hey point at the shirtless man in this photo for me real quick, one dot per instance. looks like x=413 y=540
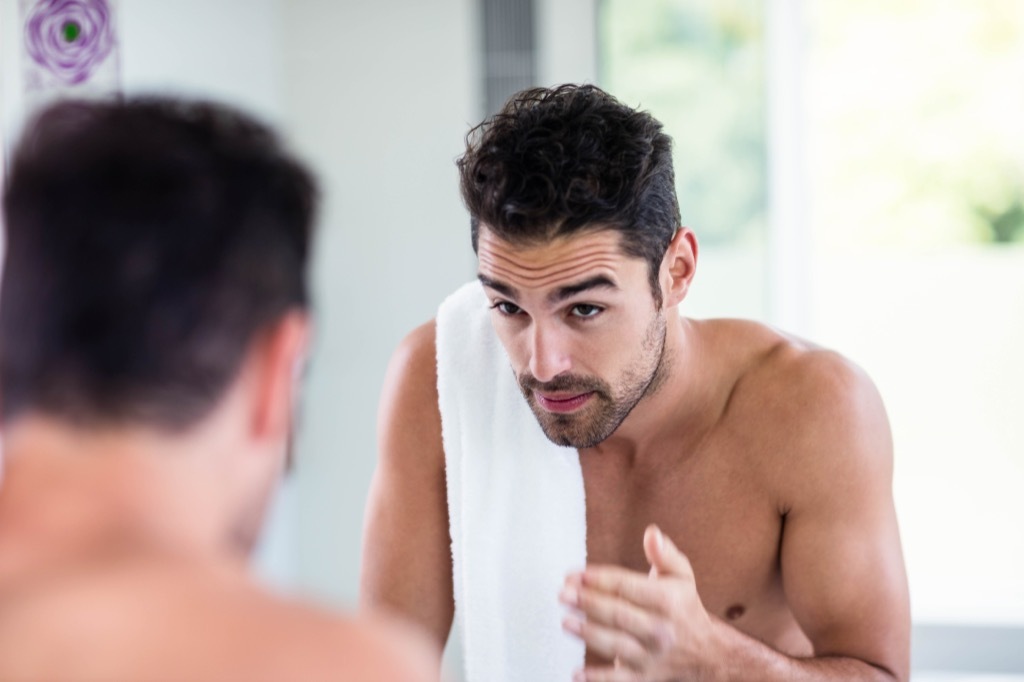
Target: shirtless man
x=153 y=320
x=739 y=514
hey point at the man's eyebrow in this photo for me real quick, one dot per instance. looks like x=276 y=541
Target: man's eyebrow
x=596 y=282
x=500 y=287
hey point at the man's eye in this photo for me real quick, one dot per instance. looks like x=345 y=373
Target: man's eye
x=586 y=310
x=506 y=308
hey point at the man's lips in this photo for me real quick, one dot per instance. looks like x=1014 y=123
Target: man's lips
x=562 y=403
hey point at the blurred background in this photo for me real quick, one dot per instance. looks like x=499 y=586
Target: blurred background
x=854 y=170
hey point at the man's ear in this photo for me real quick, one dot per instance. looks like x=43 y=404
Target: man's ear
x=280 y=355
x=678 y=267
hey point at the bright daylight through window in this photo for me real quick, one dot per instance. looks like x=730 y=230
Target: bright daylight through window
x=914 y=197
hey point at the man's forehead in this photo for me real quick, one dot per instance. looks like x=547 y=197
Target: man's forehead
x=551 y=262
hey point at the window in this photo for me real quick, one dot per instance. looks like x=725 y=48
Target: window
x=698 y=66
x=911 y=200
x=916 y=148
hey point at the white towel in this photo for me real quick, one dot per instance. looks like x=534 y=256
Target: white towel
x=515 y=504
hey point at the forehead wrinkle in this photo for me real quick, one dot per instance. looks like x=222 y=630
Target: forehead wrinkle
x=563 y=267
x=562 y=262
x=560 y=280
x=593 y=265
x=598 y=251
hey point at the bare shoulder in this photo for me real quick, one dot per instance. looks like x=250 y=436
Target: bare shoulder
x=417 y=353
x=813 y=413
x=409 y=396
x=147 y=619
x=812 y=381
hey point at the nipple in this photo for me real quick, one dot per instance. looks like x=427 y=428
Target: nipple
x=735 y=612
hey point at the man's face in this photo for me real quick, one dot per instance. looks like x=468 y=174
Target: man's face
x=578 y=320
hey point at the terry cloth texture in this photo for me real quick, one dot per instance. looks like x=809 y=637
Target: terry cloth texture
x=516 y=507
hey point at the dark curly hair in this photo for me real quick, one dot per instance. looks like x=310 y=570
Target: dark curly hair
x=557 y=161
x=149 y=241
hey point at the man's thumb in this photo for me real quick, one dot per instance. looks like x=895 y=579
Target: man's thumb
x=664 y=557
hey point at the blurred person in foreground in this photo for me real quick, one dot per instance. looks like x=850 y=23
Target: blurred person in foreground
x=732 y=500
x=154 y=317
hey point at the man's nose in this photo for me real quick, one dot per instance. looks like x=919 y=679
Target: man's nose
x=549 y=352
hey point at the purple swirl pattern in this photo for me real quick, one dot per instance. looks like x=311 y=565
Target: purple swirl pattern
x=69 y=38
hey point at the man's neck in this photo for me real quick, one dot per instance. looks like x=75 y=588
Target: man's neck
x=69 y=491
x=684 y=406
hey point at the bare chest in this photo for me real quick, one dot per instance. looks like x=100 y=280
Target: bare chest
x=717 y=513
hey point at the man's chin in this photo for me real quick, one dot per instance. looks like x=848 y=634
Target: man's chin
x=567 y=435
x=561 y=440
x=574 y=441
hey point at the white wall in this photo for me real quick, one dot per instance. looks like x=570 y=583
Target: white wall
x=224 y=49
x=379 y=97
x=566 y=33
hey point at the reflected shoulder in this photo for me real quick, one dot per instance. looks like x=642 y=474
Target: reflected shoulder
x=823 y=382
x=801 y=407
x=827 y=419
x=419 y=346
x=776 y=366
x=416 y=355
x=408 y=413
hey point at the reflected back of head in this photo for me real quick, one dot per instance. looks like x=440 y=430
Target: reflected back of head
x=148 y=242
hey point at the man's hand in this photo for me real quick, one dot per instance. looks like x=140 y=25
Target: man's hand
x=653 y=626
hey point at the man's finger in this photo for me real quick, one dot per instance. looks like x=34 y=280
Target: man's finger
x=607 y=674
x=650 y=629
x=609 y=643
x=629 y=585
x=664 y=557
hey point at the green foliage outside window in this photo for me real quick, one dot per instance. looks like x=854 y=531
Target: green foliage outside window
x=697 y=66
x=914 y=110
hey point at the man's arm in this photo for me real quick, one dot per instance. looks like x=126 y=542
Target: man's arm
x=841 y=562
x=406 y=546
